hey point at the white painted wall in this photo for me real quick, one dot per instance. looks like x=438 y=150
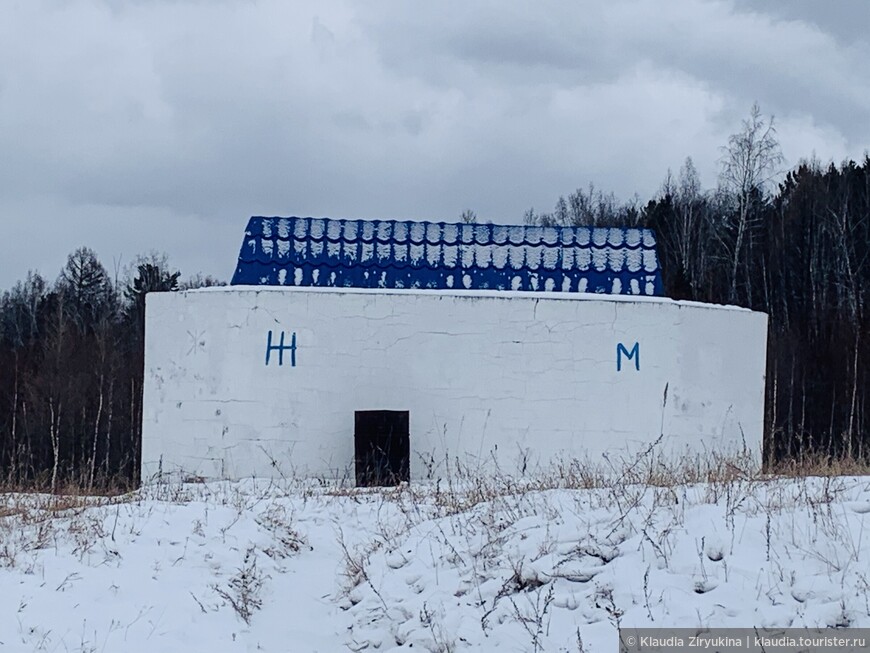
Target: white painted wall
x=480 y=372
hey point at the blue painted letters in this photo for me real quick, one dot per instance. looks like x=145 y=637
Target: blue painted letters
x=281 y=348
x=633 y=354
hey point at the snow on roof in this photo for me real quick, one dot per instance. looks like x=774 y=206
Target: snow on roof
x=437 y=255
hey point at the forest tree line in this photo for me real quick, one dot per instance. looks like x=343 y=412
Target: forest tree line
x=72 y=349
x=71 y=372
x=798 y=250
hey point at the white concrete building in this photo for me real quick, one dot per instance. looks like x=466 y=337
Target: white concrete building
x=273 y=379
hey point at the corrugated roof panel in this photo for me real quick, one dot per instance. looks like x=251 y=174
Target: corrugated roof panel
x=404 y=254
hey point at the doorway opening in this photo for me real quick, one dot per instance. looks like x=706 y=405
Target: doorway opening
x=382 y=447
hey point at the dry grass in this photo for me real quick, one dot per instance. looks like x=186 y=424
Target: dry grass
x=625 y=483
x=467 y=513
x=820 y=466
x=625 y=480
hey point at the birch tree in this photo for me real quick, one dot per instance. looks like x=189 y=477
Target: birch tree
x=750 y=162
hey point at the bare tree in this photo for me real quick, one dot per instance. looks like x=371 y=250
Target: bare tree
x=587 y=208
x=750 y=162
x=688 y=232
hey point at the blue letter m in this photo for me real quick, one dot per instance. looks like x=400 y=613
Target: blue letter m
x=633 y=354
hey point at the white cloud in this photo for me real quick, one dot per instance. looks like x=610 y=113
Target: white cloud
x=165 y=124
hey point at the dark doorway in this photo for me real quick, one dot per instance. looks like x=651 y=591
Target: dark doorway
x=382 y=447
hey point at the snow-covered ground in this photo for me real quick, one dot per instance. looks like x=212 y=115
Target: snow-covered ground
x=482 y=564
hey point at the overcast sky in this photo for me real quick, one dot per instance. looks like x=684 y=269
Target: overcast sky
x=139 y=125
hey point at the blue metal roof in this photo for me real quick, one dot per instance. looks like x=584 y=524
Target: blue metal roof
x=401 y=254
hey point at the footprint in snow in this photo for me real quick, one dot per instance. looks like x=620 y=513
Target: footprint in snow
x=576 y=575
x=702 y=586
x=714 y=554
x=396 y=560
x=567 y=601
x=800 y=596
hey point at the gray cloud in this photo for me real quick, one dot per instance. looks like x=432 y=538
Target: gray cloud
x=131 y=126
x=845 y=20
